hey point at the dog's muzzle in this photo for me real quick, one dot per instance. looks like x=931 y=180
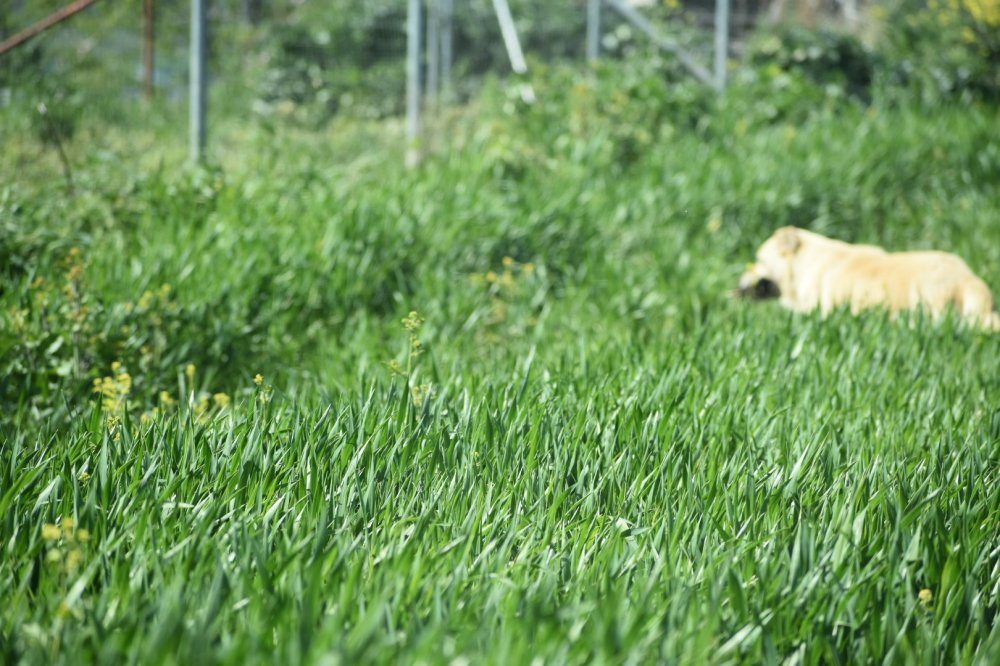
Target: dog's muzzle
x=756 y=287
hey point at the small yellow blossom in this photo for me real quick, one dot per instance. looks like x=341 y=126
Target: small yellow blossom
x=925 y=596
x=202 y=406
x=412 y=321
x=491 y=276
x=221 y=400
x=50 y=532
x=73 y=559
x=83 y=536
x=189 y=371
x=65 y=610
x=508 y=262
x=258 y=379
x=528 y=268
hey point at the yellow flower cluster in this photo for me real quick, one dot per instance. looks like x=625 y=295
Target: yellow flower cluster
x=506 y=278
x=412 y=323
x=114 y=389
x=263 y=390
x=67 y=543
x=419 y=393
x=505 y=289
x=206 y=403
x=984 y=12
x=74 y=274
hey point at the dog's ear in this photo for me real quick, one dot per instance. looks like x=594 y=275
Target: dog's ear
x=788 y=240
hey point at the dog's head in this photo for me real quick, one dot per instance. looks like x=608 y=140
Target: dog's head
x=771 y=274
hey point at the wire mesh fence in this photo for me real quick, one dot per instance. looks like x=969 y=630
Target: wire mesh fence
x=308 y=62
x=303 y=63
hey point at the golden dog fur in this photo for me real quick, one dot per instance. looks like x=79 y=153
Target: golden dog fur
x=807 y=271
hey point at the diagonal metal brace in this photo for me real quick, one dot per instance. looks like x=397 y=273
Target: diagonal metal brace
x=58 y=17
x=665 y=43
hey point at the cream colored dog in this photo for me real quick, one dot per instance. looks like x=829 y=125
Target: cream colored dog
x=805 y=271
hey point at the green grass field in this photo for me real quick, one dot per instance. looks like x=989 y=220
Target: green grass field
x=584 y=452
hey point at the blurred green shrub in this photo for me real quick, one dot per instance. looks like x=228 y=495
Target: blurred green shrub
x=824 y=57
x=944 y=49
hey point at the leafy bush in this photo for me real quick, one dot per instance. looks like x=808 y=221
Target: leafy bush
x=823 y=57
x=945 y=49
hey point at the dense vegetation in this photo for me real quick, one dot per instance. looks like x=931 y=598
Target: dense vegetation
x=302 y=405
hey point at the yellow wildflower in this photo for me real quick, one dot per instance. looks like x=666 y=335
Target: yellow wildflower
x=508 y=262
x=258 y=379
x=189 y=370
x=412 y=321
x=73 y=559
x=925 y=596
x=221 y=400
x=50 y=532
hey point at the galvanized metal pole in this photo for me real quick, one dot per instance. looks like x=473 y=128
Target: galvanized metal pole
x=413 y=84
x=433 y=49
x=447 y=44
x=149 y=31
x=509 y=33
x=721 y=43
x=593 y=29
x=198 y=89
x=510 y=39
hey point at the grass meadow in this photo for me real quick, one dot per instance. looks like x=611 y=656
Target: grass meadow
x=226 y=440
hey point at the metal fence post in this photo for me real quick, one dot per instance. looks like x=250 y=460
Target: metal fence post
x=721 y=43
x=594 y=29
x=513 y=43
x=148 y=71
x=447 y=38
x=198 y=89
x=433 y=50
x=413 y=83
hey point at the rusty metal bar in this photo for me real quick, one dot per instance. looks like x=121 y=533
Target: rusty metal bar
x=58 y=17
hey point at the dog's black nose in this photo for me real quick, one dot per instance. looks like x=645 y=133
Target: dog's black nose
x=761 y=290
x=765 y=289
